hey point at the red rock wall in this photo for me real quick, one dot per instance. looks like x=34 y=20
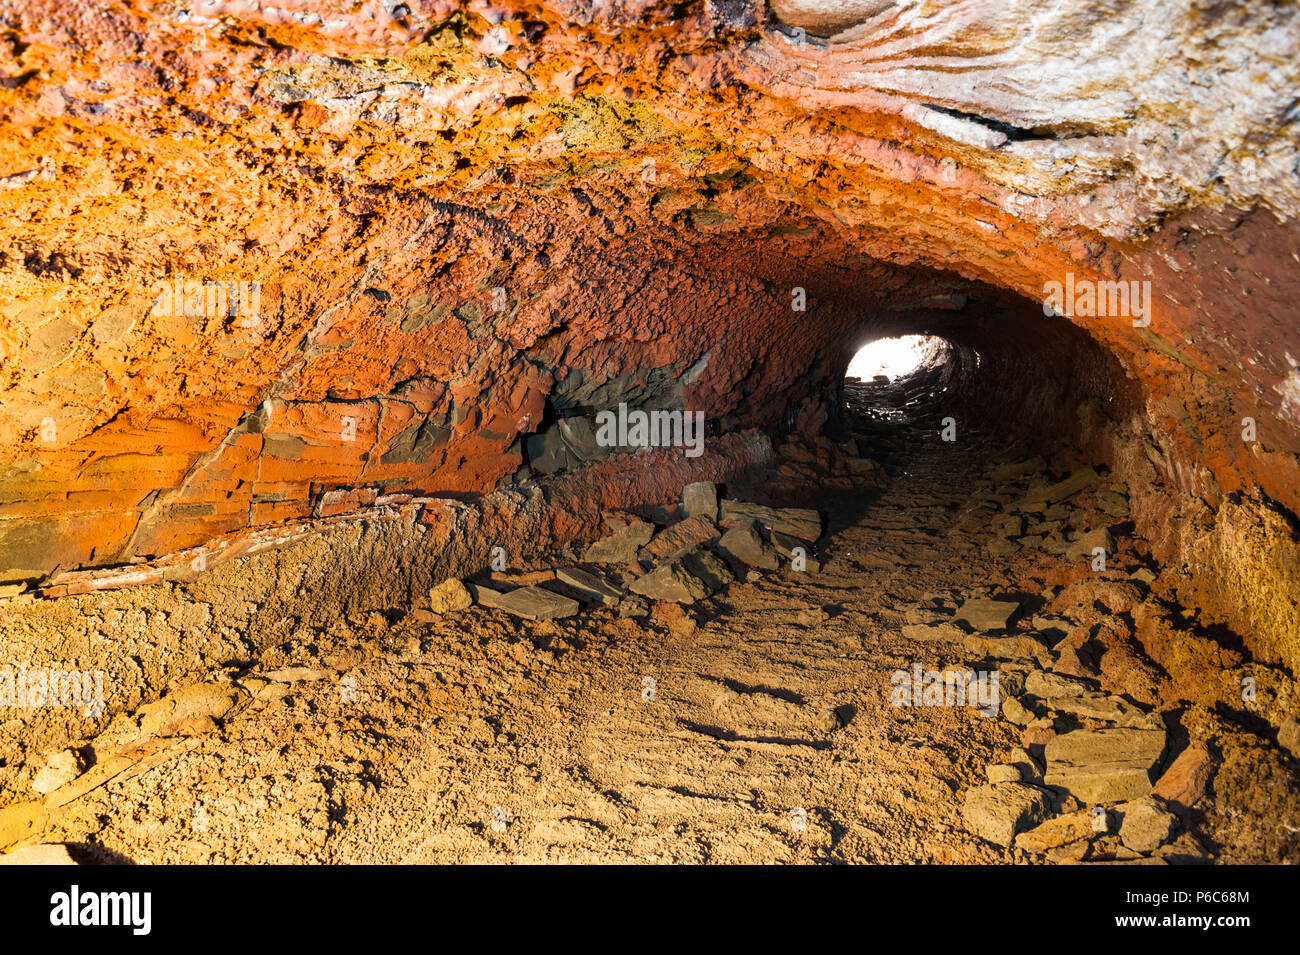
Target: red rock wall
x=646 y=185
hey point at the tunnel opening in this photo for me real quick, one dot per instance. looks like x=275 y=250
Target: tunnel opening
x=988 y=376
x=899 y=381
x=887 y=359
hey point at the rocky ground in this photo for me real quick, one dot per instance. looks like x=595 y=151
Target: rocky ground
x=680 y=692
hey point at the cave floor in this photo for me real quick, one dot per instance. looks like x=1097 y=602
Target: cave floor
x=754 y=726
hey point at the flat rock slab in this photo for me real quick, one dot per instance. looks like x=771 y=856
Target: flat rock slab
x=1058 y=831
x=700 y=500
x=1005 y=647
x=1104 y=765
x=685 y=580
x=998 y=811
x=671 y=582
x=534 y=603
x=1017 y=469
x=1110 y=709
x=983 y=614
x=620 y=546
x=745 y=543
x=590 y=585
x=1052 y=686
x=797 y=522
x=672 y=542
x=485 y=596
x=1076 y=482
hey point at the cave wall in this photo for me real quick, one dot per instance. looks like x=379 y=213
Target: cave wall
x=382 y=377
x=458 y=215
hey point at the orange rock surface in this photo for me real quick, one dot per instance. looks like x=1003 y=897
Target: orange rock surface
x=262 y=263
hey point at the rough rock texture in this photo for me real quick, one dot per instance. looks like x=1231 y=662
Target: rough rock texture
x=449 y=596
x=330 y=296
x=1147 y=825
x=300 y=705
x=1103 y=765
x=447 y=209
x=998 y=811
x=166 y=630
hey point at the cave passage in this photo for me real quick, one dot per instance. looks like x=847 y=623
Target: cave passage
x=720 y=432
x=926 y=553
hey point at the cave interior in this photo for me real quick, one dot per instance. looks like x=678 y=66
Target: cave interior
x=724 y=431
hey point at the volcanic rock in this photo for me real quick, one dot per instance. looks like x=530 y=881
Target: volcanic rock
x=485 y=596
x=589 y=585
x=449 y=596
x=1058 y=831
x=1047 y=685
x=1103 y=765
x=536 y=603
x=1087 y=543
x=983 y=614
x=998 y=811
x=621 y=545
x=1061 y=490
x=744 y=543
x=685 y=580
x=684 y=536
x=794 y=549
x=1016 y=712
x=700 y=499
x=1187 y=778
x=1146 y=825
x=792 y=521
x=1002 y=773
x=1005 y=646
x=633 y=606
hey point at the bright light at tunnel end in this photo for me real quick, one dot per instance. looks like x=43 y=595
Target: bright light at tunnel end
x=896 y=357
